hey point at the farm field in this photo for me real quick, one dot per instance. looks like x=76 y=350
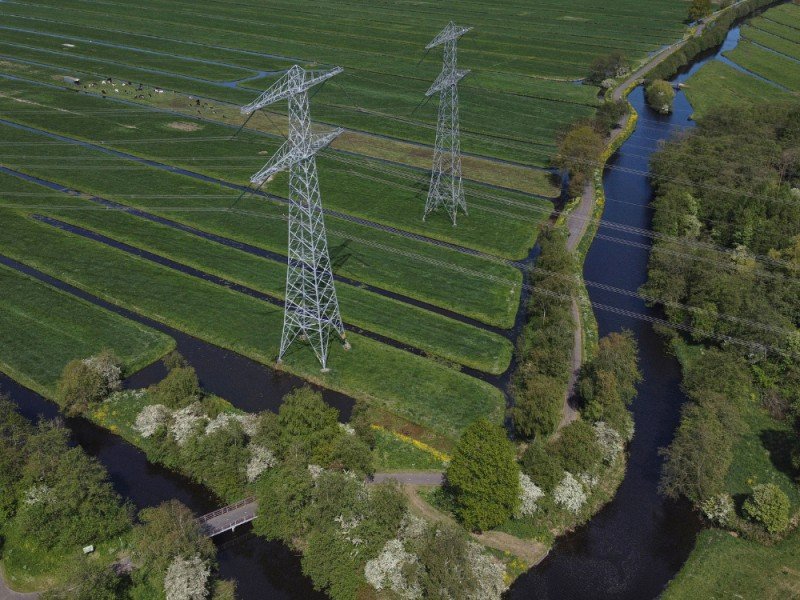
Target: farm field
x=768 y=55
x=523 y=61
x=718 y=83
x=150 y=131
x=42 y=328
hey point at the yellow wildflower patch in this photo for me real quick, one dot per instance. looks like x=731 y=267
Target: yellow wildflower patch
x=416 y=443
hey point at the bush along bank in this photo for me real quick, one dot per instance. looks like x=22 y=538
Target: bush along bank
x=56 y=500
x=309 y=474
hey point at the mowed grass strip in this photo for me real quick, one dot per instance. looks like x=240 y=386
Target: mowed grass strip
x=42 y=329
x=405 y=323
x=774 y=67
x=716 y=83
x=469 y=285
x=779 y=44
x=504 y=223
x=437 y=397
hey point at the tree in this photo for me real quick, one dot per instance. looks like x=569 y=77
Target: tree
x=699 y=9
x=578 y=154
x=79 y=387
x=578 y=448
x=538 y=405
x=483 y=476
x=68 y=498
x=769 y=505
x=697 y=461
x=660 y=95
x=543 y=465
x=611 y=65
x=283 y=494
x=178 y=389
x=166 y=531
x=452 y=566
x=187 y=579
x=307 y=426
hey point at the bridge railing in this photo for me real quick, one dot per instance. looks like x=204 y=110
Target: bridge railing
x=225 y=509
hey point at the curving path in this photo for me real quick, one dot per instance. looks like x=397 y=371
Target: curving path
x=6 y=593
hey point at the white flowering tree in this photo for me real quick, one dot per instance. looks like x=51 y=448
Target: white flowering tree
x=187 y=579
x=388 y=571
x=569 y=493
x=529 y=494
x=261 y=459
x=186 y=421
x=718 y=509
x=150 y=418
x=488 y=573
x=107 y=366
x=609 y=440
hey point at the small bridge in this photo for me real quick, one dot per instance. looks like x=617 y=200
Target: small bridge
x=229 y=517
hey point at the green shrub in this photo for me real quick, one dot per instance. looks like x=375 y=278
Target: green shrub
x=79 y=387
x=697 y=461
x=542 y=465
x=307 y=426
x=483 y=476
x=578 y=448
x=178 y=389
x=660 y=96
x=538 y=405
x=769 y=505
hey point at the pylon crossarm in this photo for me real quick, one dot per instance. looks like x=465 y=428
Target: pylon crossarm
x=446 y=79
x=287 y=155
x=450 y=32
x=295 y=81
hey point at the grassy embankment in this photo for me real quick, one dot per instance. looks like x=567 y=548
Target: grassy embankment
x=722 y=564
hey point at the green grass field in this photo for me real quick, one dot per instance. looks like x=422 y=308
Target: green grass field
x=42 y=329
x=435 y=396
x=718 y=84
x=770 y=65
x=522 y=59
x=197 y=63
x=769 y=48
x=722 y=566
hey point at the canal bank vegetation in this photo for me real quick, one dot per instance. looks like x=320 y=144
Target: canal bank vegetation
x=725 y=270
x=55 y=501
x=308 y=472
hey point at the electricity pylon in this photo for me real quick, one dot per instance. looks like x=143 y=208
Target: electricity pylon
x=446 y=188
x=311 y=310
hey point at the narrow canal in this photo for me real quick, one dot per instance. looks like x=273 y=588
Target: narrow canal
x=639 y=541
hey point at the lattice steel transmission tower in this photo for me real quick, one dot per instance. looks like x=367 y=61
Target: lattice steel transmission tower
x=446 y=188
x=311 y=310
